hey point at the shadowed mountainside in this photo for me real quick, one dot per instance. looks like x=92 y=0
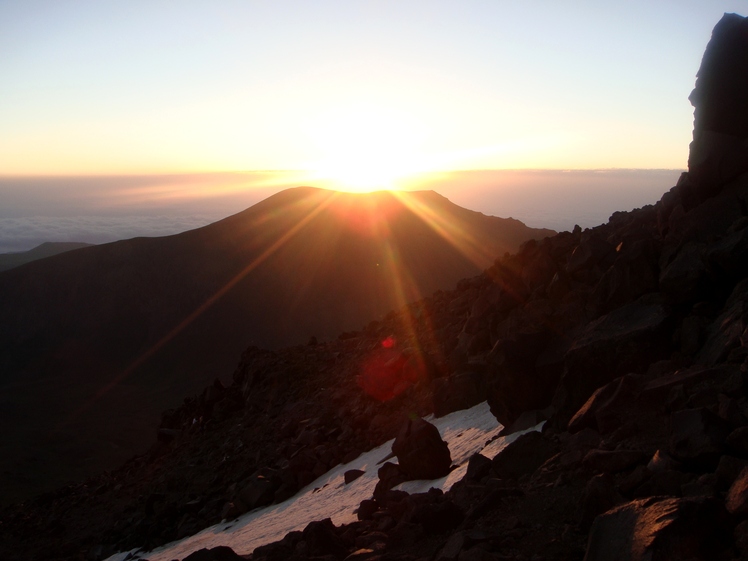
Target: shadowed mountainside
x=95 y=343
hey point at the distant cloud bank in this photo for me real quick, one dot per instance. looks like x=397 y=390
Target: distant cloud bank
x=20 y=234
x=105 y=209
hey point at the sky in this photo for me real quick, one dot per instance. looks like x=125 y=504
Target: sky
x=193 y=110
x=160 y=86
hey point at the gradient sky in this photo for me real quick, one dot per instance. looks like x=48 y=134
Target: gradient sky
x=348 y=87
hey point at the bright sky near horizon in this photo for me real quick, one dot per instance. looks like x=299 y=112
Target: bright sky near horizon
x=348 y=87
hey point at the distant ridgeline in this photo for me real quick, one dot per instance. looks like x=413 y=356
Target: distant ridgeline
x=47 y=249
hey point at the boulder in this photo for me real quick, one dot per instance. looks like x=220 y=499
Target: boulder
x=705 y=223
x=527 y=420
x=259 y=491
x=321 y=539
x=351 y=475
x=726 y=332
x=667 y=483
x=478 y=467
x=625 y=340
x=612 y=461
x=661 y=462
x=717 y=152
x=459 y=391
x=606 y=408
x=728 y=470
x=523 y=456
x=698 y=437
x=389 y=475
x=366 y=509
x=434 y=512
x=592 y=256
x=657 y=391
x=280 y=550
x=737 y=497
x=523 y=372
x=658 y=529
x=729 y=256
x=740 y=535
x=599 y=496
x=220 y=553
x=737 y=440
x=420 y=451
x=684 y=279
x=451 y=550
x=633 y=274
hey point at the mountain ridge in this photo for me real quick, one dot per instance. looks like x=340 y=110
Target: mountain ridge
x=86 y=335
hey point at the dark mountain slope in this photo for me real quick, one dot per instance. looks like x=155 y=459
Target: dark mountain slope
x=95 y=343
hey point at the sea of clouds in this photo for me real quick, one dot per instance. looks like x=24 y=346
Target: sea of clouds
x=105 y=209
x=21 y=234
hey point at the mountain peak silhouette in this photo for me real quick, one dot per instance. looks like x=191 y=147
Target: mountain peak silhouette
x=95 y=343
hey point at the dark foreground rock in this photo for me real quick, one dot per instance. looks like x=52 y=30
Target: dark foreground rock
x=660 y=529
x=420 y=450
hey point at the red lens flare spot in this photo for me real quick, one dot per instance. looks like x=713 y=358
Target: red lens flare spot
x=389 y=372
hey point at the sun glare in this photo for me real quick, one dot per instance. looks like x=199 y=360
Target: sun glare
x=365 y=148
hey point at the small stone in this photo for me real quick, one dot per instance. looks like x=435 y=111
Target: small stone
x=737 y=497
x=352 y=474
x=366 y=509
x=478 y=467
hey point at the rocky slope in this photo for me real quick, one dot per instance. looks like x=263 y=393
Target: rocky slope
x=630 y=339
x=95 y=343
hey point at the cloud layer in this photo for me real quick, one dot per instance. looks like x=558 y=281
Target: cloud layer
x=20 y=234
x=104 y=209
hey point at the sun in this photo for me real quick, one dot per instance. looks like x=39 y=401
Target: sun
x=365 y=148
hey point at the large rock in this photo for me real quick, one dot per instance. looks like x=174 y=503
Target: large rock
x=719 y=151
x=633 y=274
x=322 y=539
x=625 y=340
x=433 y=511
x=220 y=553
x=524 y=370
x=657 y=529
x=459 y=391
x=523 y=456
x=727 y=331
x=590 y=258
x=612 y=461
x=259 y=491
x=729 y=256
x=608 y=407
x=420 y=450
x=737 y=497
x=683 y=279
x=698 y=437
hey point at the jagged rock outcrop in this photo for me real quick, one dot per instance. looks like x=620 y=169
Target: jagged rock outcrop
x=719 y=151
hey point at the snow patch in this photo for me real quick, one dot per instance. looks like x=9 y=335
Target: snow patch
x=466 y=432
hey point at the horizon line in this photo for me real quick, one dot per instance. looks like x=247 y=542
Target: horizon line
x=279 y=171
